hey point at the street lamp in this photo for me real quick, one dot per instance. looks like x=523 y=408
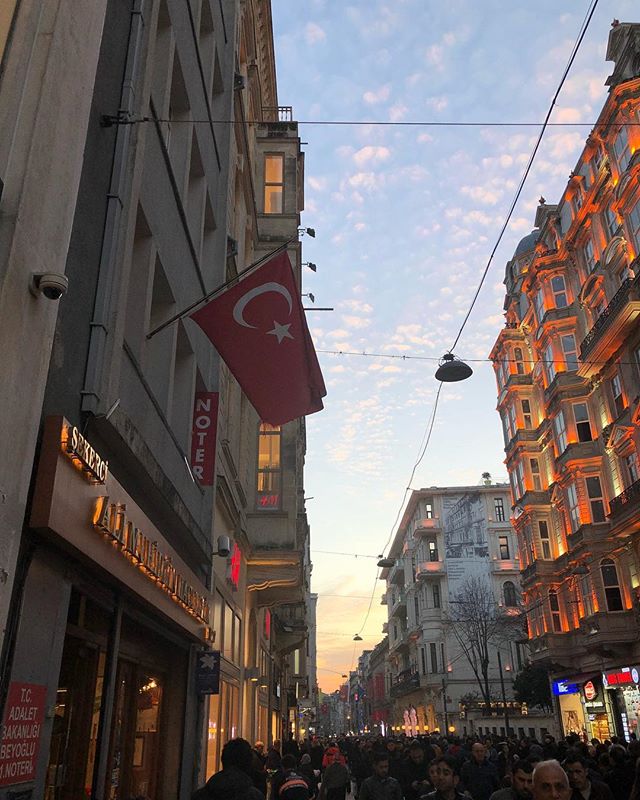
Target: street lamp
x=451 y=369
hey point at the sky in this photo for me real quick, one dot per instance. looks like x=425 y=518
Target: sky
x=405 y=219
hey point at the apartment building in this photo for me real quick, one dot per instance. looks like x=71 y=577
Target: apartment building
x=567 y=365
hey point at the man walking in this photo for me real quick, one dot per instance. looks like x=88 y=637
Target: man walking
x=479 y=776
x=380 y=785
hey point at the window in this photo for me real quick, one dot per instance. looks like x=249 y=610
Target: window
x=554 y=605
x=559 y=290
x=535 y=474
x=549 y=363
x=269 y=467
x=586 y=594
x=583 y=426
x=578 y=199
x=433 y=652
x=273 y=183
x=617 y=395
x=498 y=506
x=428 y=510
x=510 y=597
x=636 y=355
x=543 y=530
x=570 y=351
x=436 y=595
x=633 y=219
x=423 y=660
x=517 y=356
x=503 y=547
x=594 y=491
x=560 y=430
x=433 y=550
x=611 y=222
x=526 y=414
x=538 y=303
x=589 y=256
x=611 y=585
x=573 y=506
x=416 y=608
x=633 y=471
x=621 y=149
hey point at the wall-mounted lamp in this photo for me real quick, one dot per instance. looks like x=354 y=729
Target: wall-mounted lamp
x=224 y=547
x=263 y=682
x=310 y=296
x=252 y=674
x=311 y=265
x=309 y=231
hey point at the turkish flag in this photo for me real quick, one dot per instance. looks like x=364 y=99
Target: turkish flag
x=259 y=328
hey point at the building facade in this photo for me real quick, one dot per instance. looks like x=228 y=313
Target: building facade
x=454 y=548
x=567 y=365
x=144 y=451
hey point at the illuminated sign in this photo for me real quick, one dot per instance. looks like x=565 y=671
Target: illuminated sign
x=234 y=562
x=589 y=690
x=111 y=520
x=80 y=451
x=203 y=437
x=564 y=687
x=269 y=500
x=625 y=676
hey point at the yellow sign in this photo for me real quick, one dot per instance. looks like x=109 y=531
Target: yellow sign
x=80 y=451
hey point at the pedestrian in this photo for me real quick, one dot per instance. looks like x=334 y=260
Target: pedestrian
x=582 y=785
x=550 y=782
x=233 y=781
x=415 y=773
x=294 y=786
x=478 y=775
x=447 y=780
x=380 y=785
x=335 y=779
x=309 y=773
x=521 y=783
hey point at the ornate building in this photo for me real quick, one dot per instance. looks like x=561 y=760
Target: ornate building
x=567 y=364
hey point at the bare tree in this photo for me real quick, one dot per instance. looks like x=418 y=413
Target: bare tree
x=479 y=627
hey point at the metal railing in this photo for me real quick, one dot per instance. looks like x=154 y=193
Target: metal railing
x=630 y=495
x=608 y=315
x=277 y=113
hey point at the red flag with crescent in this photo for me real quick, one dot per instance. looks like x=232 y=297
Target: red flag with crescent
x=260 y=330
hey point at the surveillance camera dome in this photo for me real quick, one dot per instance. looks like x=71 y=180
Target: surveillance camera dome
x=52 y=285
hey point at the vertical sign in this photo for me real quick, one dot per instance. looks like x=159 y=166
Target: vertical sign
x=203 y=437
x=208 y=672
x=21 y=730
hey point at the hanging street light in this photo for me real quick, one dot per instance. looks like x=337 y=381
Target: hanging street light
x=451 y=369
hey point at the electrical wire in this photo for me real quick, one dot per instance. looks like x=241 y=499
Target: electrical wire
x=341 y=553
x=545 y=125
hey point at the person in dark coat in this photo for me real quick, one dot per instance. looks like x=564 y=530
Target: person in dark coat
x=580 y=780
x=415 y=773
x=479 y=776
x=234 y=779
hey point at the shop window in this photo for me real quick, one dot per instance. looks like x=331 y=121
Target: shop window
x=503 y=548
x=545 y=543
x=596 y=501
x=498 y=507
x=510 y=595
x=583 y=425
x=526 y=414
x=274 y=183
x=573 y=507
x=518 y=358
x=611 y=585
x=559 y=291
x=617 y=395
x=569 y=351
x=535 y=474
x=560 y=430
x=269 y=467
x=549 y=363
x=554 y=606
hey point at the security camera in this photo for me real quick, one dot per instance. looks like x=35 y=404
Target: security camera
x=51 y=284
x=224 y=546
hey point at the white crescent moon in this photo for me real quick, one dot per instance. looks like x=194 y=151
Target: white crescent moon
x=238 y=309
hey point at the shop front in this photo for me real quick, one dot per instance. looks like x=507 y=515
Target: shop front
x=583 y=706
x=622 y=686
x=111 y=622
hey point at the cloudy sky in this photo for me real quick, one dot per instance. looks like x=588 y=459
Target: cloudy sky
x=406 y=218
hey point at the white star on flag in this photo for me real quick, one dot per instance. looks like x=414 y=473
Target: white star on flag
x=281 y=331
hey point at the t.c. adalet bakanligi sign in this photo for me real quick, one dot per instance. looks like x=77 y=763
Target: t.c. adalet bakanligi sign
x=110 y=519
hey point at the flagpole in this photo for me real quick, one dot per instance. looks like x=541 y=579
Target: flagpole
x=221 y=288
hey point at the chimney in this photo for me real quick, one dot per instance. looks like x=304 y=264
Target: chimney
x=623 y=49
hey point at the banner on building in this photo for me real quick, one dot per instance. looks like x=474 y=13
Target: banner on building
x=21 y=731
x=203 y=437
x=208 y=672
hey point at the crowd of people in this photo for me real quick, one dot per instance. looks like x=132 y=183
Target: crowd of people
x=428 y=768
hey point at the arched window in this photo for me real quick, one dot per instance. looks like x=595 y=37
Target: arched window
x=554 y=605
x=510 y=596
x=611 y=585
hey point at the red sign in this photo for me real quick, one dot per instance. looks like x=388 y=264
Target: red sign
x=23 y=718
x=234 y=562
x=203 y=437
x=618 y=678
x=589 y=690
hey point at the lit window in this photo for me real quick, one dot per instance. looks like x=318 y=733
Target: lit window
x=428 y=510
x=498 y=505
x=503 y=546
x=611 y=221
x=554 y=605
x=589 y=256
x=543 y=529
x=535 y=474
x=433 y=550
x=583 y=425
x=549 y=363
x=269 y=466
x=561 y=432
x=621 y=149
x=596 y=501
x=273 y=183
x=559 y=290
x=633 y=471
x=573 y=506
x=619 y=404
x=510 y=595
x=526 y=414
x=517 y=355
x=570 y=351
x=634 y=224
x=611 y=585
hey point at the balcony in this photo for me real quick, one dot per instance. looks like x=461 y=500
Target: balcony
x=577 y=451
x=427 y=526
x=505 y=565
x=543 y=570
x=626 y=503
x=612 y=628
x=612 y=326
x=564 y=381
x=534 y=498
x=523 y=435
x=405 y=685
x=519 y=380
x=430 y=569
x=398 y=604
x=396 y=572
x=588 y=534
